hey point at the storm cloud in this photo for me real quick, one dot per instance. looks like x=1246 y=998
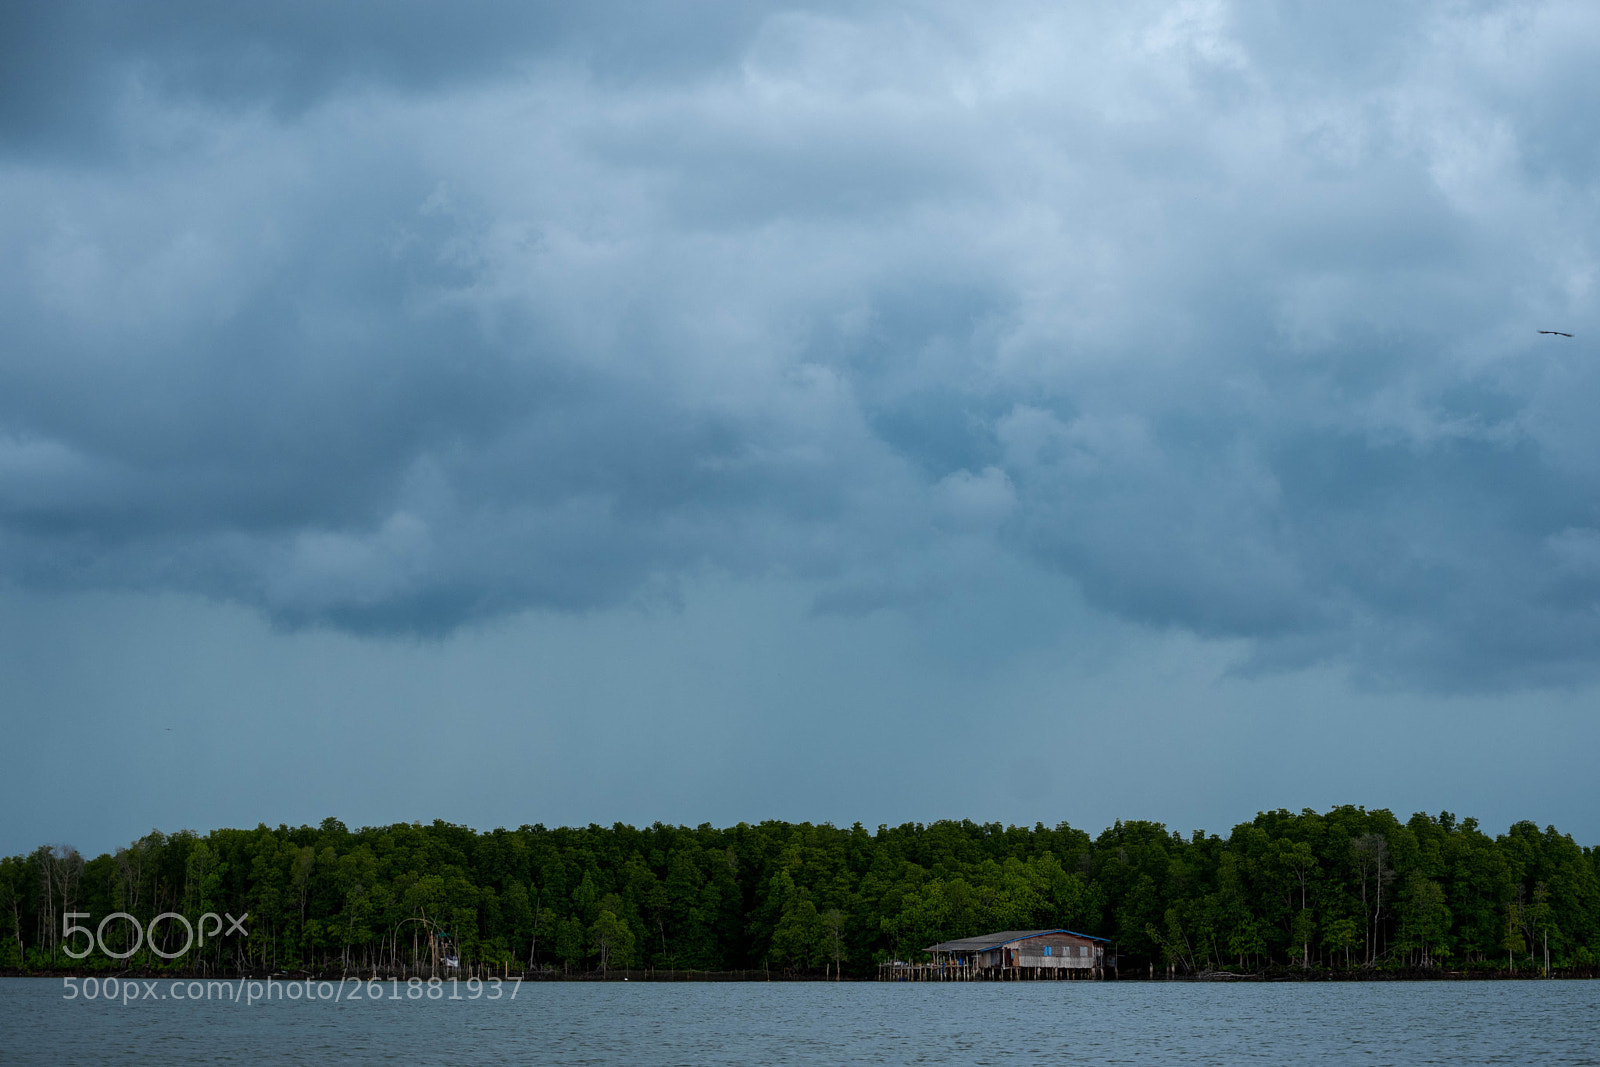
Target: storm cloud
x=399 y=317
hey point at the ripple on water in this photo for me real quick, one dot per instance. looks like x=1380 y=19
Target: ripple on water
x=644 y=1024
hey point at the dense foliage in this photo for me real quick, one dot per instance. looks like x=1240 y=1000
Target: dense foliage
x=1345 y=890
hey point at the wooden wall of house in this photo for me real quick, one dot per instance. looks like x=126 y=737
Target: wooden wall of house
x=1072 y=953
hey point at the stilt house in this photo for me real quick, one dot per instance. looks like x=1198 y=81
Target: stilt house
x=1038 y=950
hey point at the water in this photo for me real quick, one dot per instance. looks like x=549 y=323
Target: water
x=642 y=1025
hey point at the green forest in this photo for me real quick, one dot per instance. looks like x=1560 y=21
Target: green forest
x=1348 y=892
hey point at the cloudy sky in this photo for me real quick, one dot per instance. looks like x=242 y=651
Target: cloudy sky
x=558 y=413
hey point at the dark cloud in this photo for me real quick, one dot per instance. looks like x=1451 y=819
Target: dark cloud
x=66 y=68
x=394 y=317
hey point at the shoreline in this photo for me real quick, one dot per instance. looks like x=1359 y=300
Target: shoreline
x=619 y=975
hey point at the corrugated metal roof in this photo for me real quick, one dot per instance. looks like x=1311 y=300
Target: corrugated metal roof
x=1005 y=937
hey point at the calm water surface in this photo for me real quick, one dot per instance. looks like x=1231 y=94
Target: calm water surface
x=639 y=1025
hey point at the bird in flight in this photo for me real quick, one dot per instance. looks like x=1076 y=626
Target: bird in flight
x=1558 y=333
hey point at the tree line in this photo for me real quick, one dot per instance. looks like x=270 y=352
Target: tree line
x=1349 y=890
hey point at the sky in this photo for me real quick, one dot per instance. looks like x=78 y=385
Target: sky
x=528 y=413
